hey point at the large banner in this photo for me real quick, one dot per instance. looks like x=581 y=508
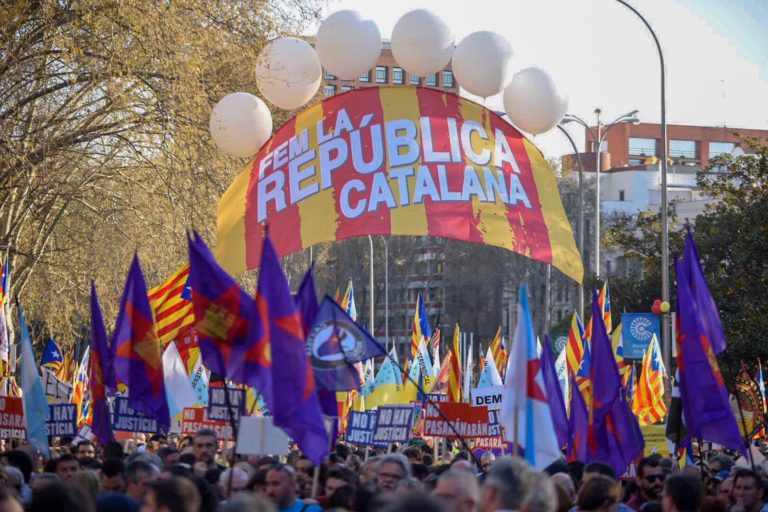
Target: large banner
x=396 y=161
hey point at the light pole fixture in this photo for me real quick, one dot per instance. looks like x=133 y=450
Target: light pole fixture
x=597 y=138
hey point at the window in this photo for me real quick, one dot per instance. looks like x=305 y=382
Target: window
x=621 y=195
x=447 y=79
x=719 y=148
x=415 y=80
x=432 y=80
x=381 y=74
x=345 y=88
x=642 y=147
x=636 y=161
x=328 y=75
x=365 y=77
x=329 y=90
x=682 y=148
x=398 y=77
x=603 y=148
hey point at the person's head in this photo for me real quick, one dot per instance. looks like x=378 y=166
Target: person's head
x=60 y=496
x=682 y=493
x=650 y=478
x=168 y=455
x=205 y=445
x=112 y=479
x=9 y=502
x=338 y=476
x=413 y=455
x=236 y=486
x=392 y=468
x=304 y=465
x=565 y=482
x=85 y=449
x=66 y=466
x=504 y=486
x=171 y=495
x=139 y=476
x=88 y=482
x=458 y=490
x=113 y=450
x=354 y=462
x=725 y=491
x=597 y=468
x=599 y=494
x=341 y=498
x=244 y=503
x=20 y=459
x=720 y=463
x=281 y=485
x=748 y=489
x=486 y=461
x=14 y=478
x=540 y=495
x=369 y=470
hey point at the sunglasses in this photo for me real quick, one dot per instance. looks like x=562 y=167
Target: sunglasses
x=654 y=478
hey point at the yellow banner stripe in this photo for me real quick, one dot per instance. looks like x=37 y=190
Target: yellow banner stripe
x=230 y=224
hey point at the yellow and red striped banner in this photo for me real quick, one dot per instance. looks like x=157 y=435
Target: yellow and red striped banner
x=396 y=161
x=171 y=309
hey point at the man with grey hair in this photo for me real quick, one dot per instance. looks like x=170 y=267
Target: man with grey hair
x=459 y=490
x=505 y=485
x=392 y=468
x=540 y=495
x=369 y=470
x=239 y=483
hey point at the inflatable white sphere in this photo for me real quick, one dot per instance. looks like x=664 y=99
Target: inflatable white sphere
x=422 y=43
x=482 y=63
x=288 y=72
x=240 y=124
x=347 y=44
x=533 y=102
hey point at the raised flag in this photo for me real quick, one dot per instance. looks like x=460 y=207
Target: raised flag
x=489 y=376
x=297 y=411
x=35 y=403
x=4 y=283
x=232 y=341
x=52 y=357
x=421 y=331
x=348 y=302
x=614 y=436
x=335 y=343
x=648 y=404
x=306 y=300
x=761 y=384
x=454 y=379
x=574 y=353
x=5 y=345
x=436 y=335
x=603 y=300
x=80 y=390
x=388 y=385
x=578 y=425
x=499 y=351
x=178 y=388
x=466 y=386
x=172 y=305
x=136 y=356
x=704 y=398
x=421 y=371
x=525 y=411
x=617 y=342
x=101 y=376
x=554 y=394
x=747 y=402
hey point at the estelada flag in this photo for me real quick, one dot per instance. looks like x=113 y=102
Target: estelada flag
x=396 y=161
x=172 y=305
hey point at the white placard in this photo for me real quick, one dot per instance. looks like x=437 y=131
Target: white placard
x=258 y=435
x=489 y=397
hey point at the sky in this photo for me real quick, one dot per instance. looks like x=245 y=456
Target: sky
x=601 y=55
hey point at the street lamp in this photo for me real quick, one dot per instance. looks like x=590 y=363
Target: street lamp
x=598 y=138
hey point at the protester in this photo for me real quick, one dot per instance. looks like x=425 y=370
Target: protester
x=66 y=466
x=88 y=482
x=112 y=478
x=504 y=487
x=392 y=469
x=650 y=481
x=205 y=445
x=748 y=492
x=9 y=501
x=139 y=476
x=171 y=495
x=599 y=494
x=682 y=493
x=85 y=449
x=458 y=490
x=232 y=481
x=724 y=491
x=282 y=490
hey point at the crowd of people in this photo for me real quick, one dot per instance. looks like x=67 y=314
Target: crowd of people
x=191 y=475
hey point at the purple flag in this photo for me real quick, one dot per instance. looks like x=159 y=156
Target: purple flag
x=614 y=435
x=102 y=375
x=232 y=341
x=297 y=411
x=306 y=300
x=554 y=394
x=578 y=424
x=135 y=348
x=706 y=409
x=709 y=315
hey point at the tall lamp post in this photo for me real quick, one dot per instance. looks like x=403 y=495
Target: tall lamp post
x=665 y=329
x=598 y=137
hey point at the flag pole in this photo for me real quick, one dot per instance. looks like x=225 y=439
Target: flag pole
x=743 y=422
x=233 y=424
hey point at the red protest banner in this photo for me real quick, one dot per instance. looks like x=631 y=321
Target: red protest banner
x=195 y=418
x=12 y=418
x=465 y=421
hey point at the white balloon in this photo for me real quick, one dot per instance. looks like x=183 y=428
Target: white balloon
x=288 y=72
x=240 y=124
x=533 y=102
x=422 y=43
x=347 y=44
x=482 y=63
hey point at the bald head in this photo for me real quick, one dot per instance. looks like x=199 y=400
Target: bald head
x=459 y=490
x=565 y=482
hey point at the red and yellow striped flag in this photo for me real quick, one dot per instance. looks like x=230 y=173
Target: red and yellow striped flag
x=454 y=379
x=574 y=349
x=172 y=306
x=604 y=300
x=499 y=352
x=648 y=404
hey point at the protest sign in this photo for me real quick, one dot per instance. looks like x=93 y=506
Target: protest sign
x=126 y=419
x=61 y=420
x=195 y=418
x=458 y=420
x=655 y=440
x=12 y=418
x=360 y=428
x=217 y=403
x=393 y=424
x=258 y=435
x=489 y=397
x=56 y=391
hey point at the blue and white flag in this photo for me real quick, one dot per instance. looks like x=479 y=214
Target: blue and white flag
x=35 y=404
